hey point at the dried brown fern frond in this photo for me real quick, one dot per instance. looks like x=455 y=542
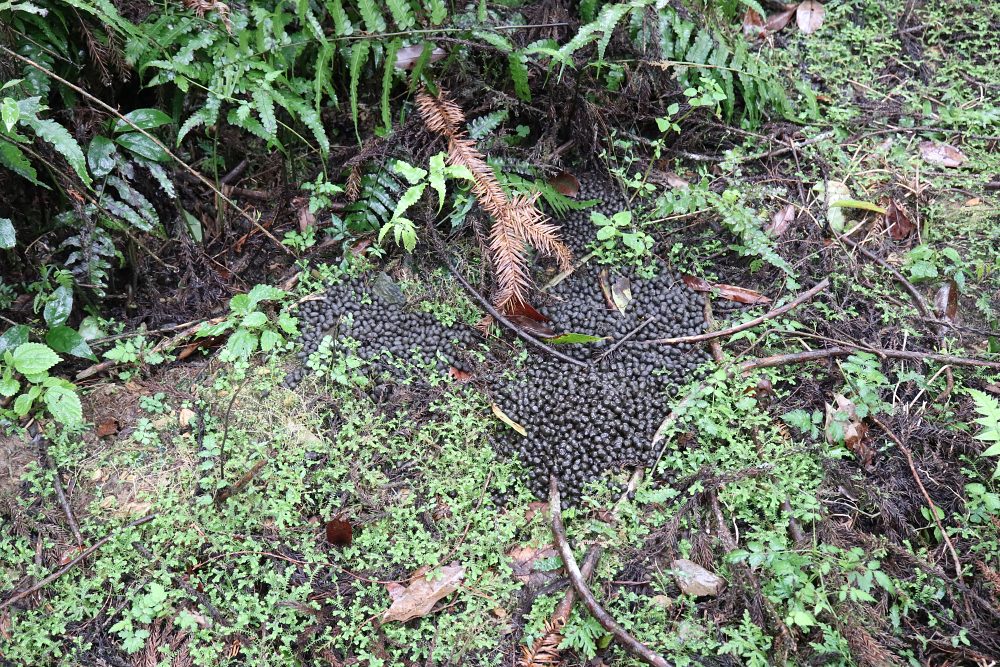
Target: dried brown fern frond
x=200 y=7
x=545 y=649
x=517 y=222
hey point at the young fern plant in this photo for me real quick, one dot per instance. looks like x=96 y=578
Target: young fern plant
x=988 y=408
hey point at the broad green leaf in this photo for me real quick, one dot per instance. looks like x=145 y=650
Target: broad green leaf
x=254 y=320
x=64 y=143
x=264 y=293
x=101 y=156
x=567 y=338
x=287 y=323
x=606 y=232
x=16 y=335
x=7 y=237
x=854 y=203
x=66 y=339
x=64 y=405
x=34 y=358
x=240 y=304
x=8 y=386
x=214 y=329
x=59 y=306
x=22 y=404
x=9 y=113
x=242 y=343
x=144 y=119
x=142 y=146
x=269 y=339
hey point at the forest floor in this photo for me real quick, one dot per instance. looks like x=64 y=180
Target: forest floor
x=844 y=500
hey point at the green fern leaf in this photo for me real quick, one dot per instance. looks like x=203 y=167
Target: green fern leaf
x=265 y=109
x=359 y=56
x=12 y=158
x=494 y=39
x=374 y=21
x=309 y=117
x=484 y=125
x=607 y=21
x=204 y=116
x=387 y=74
x=342 y=25
x=402 y=14
x=63 y=142
x=519 y=74
x=438 y=10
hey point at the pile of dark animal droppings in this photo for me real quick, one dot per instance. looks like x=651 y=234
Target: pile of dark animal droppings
x=580 y=422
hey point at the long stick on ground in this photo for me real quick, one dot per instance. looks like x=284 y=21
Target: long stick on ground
x=495 y=314
x=770 y=315
x=930 y=504
x=844 y=351
x=70 y=565
x=628 y=642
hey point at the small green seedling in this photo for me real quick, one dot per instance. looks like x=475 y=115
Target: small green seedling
x=252 y=328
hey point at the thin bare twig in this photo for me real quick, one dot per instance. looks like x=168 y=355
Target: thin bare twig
x=624 y=338
x=495 y=314
x=770 y=315
x=930 y=504
x=73 y=563
x=628 y=642
x=844 y=351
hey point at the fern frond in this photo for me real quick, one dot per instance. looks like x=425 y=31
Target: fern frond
x=545 y=650
x=402 y=14
x=484 y=125
x=387 y=74
x=359 y=55
x=372 y=17
x=518 y=63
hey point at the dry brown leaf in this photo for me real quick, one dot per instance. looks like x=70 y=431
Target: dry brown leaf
x=944 y=155
x=407 y=56
x=523 y=560
x=566 y=184
x=855 y=431
x=621 y=293
x=753 y=25
x=422 y=594
x=897 y=223
x=729 y=292
x=502 y=416
x=458 y=375
x=106 y=428
x=809 y=16
x=776 y=22
x=532 y=326
x=781 y=221
x=946 y=301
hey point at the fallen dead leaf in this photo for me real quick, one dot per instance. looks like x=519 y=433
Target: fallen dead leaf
x=417 y=599
x=753 y=24
x=809 y=16
x=946 y=301
x=502 y=416
x=621 y=293
x=459 y=375
x=407 y=56
x=523 y=560
x=566 y=184
x=944 y=155
x=184 y=417
x=975 y=201
x=106 y=428
x=532 y=326
x=778 y=21
x=781 y=221
x=729 y=292
x=897 y=223
x=842 y=422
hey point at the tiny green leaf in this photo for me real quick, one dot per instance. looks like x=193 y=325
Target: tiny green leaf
x=567 y=338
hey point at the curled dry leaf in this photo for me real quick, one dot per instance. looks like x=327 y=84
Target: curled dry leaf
x=458 y=375
x=776 y=22
x=417 y=599
x=566 y=184
x=842 y=423
x=944 y=155
x=532 y=326
x=753 y=25
x=407 y=56
x=809 y=16
x=729 y=292
x=621 y=293
x=781 y=221
x=897 y=223
x=946 y=301
x=502 y=416
x=106 y=428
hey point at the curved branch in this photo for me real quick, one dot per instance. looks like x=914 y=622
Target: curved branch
x=770 y=315
x=628 y=642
